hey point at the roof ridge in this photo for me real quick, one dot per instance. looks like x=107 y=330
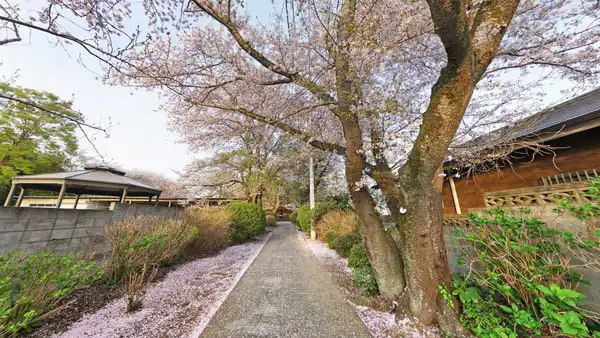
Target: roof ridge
x=82 y=173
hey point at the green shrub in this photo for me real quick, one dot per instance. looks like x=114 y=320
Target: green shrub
x=303 y=218
x=480 y=312
x=523 y=264
x=362 y=273
x=271 y=213
x=294 y=217
x=330 y=237
x=358 y=256
x=248 y=221
x=31 y=285
x=343 y=244
x=271 y=220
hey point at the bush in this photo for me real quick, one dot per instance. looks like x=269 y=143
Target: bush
x=343 y=244
x=214 y=224
x=248 y=221
x=358 y=256
x=321 y=208
x=303 y=218
x=329 y=238
x=146 y=241
x=338 y=223
x=271 y=220
x=32 y=285
x=294 y=217
x=362 y=273
x=524 y=266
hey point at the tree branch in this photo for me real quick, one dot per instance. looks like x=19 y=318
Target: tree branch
x=326 y=146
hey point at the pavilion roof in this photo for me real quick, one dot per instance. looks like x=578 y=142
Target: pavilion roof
x=89 y=181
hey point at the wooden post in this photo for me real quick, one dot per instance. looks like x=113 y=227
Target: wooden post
x=313 y=231
x=76 y=201
x=20 y=199
x=10 y=195
x=454 y=195
x=123 y=195
x=61 y=195
x=157 y=199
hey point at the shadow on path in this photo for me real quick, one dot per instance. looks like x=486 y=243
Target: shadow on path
x=285 y=293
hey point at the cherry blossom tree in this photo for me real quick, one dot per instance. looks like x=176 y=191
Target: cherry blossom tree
x=388 y=85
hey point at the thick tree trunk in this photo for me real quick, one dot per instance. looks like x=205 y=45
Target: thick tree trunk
x=383 y=254
x=425 y=257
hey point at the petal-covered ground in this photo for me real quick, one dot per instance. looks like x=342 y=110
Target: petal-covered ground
x=177 y=306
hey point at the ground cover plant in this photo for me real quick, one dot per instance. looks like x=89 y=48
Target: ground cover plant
x=31 y=285
x=524 y=274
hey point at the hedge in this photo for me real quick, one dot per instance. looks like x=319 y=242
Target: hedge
x=248 y=221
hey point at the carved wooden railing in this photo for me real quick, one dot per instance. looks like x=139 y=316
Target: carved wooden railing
x=454 y=221
x=575 y=192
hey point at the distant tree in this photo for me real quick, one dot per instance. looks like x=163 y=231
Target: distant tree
x=31 y=140
x=169 y=187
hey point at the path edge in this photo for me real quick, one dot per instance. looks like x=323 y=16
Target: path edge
x=204 y=323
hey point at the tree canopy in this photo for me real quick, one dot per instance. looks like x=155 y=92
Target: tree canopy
x=31 y=140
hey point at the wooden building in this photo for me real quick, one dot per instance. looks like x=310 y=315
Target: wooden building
x=570 y=129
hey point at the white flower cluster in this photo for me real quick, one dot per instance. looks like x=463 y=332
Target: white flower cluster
x=363 y=182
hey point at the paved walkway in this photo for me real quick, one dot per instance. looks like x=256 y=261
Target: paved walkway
x=285 y=293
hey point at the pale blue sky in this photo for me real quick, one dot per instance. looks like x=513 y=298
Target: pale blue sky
x=139 y=138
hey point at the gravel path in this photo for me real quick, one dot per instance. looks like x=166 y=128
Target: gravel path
x=286 y=293
x=184 y=300
x=381 y=324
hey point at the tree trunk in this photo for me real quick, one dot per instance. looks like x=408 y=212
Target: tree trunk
x=424 y=255
x=383 y=253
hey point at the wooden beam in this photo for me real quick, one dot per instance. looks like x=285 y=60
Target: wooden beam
x=157 y=199
x=10 y=195
x=76 y=201
x=61 y=195
x=124 y=195
x=20 y=199
x=454 y=195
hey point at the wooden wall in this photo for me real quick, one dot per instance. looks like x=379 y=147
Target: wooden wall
x=581 y=151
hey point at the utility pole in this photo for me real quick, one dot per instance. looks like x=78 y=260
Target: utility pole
x=313 y=231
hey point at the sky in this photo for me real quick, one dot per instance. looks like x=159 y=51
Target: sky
x=138 y=136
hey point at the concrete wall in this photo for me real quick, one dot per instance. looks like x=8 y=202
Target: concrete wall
x=35 y=230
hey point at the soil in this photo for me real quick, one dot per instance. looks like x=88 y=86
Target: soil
x=73 y=306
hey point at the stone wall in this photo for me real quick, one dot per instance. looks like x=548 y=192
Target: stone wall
x=61 y=230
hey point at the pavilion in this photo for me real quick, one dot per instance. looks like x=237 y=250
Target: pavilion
x=95 y=181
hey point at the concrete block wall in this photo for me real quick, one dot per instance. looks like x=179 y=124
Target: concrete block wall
x=62 y=230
